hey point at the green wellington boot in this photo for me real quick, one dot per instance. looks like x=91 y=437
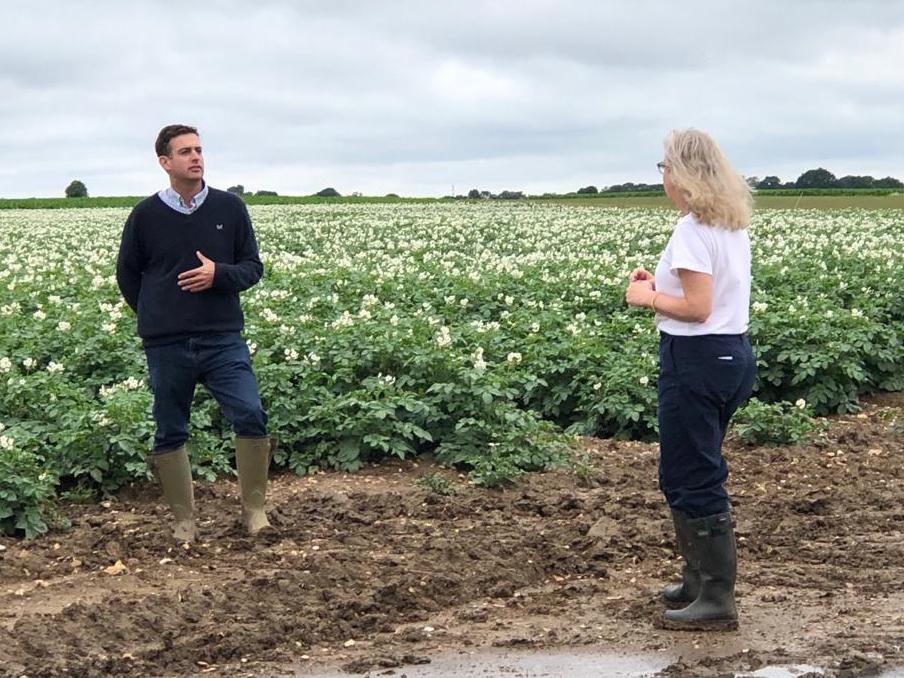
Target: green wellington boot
x=252 y=460
x=687 y=591
x=174 y=474
x=713 y=544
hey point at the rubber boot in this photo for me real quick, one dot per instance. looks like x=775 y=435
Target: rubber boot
x=678 y=595
x=252 y=460
x=173 y=472
x=713 y=544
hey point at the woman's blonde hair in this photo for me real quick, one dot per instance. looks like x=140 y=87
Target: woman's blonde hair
x=713 y=191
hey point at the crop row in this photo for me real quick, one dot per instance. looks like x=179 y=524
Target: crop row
x=479 y=333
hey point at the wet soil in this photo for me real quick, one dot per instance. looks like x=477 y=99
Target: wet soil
x=374 y=571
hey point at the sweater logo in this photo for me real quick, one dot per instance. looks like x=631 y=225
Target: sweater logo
x=219 y=227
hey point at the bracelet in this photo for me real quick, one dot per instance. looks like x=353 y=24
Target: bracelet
x=653 y=302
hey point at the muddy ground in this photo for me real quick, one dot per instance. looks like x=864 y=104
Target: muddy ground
x=374 y=571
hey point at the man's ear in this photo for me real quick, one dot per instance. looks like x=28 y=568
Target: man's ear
x=164 y=163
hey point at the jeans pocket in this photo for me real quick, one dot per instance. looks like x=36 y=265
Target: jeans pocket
x=714 y=367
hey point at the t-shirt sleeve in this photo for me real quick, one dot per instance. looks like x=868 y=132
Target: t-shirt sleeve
x=690 y=250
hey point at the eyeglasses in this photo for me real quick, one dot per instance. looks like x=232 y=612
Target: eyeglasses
x=661 y=167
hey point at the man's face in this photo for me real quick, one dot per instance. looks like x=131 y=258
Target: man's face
x=185 y=161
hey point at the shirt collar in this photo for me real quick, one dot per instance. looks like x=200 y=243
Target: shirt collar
x=173 y=200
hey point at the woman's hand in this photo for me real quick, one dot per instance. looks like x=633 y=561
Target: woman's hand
x=642 y=274
x=639 y=293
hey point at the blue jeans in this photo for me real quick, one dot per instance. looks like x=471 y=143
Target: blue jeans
x=702 y=381
x=222 y=363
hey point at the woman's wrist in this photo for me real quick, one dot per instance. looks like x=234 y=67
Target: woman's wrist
x=653 y=301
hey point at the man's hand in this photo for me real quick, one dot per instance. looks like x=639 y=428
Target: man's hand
x=198 y=279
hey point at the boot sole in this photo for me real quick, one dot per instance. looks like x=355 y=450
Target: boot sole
x=699 y=625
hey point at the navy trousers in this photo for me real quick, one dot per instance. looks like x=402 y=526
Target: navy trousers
x=702 y=381
x=222 y=363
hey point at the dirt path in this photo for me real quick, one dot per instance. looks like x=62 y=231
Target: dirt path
x=374 y=571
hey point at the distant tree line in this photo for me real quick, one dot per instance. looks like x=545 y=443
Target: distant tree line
x=823 y=178
x=240 y=191
x=627 y=187
x=77 y=190
x=620 y=188
x=814 y=178
x=476 y=194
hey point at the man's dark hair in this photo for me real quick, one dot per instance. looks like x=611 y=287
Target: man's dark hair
x=167 y=134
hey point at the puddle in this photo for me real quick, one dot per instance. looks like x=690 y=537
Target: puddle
x=784 y=671
x=806 y=670
x=552 y=664
x=548 y=664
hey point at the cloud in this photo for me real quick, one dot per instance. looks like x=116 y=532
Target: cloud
x=411 y=97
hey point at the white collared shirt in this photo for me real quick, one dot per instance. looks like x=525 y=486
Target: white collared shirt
x=172 y=199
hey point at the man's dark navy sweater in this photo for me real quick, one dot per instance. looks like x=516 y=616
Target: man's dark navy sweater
x=159 y=243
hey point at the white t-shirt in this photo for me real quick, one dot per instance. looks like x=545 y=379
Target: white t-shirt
x=722 y=253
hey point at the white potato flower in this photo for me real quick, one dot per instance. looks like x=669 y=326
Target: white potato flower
x=479 y=363
x=443 y=338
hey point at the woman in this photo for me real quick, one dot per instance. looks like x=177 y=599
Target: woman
x=700 y=296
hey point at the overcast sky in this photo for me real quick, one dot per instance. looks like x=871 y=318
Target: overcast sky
x=414 y=97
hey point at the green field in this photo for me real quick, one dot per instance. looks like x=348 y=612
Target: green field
x=483 y=333
x=825 y=199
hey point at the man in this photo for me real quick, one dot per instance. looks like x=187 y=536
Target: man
x=185 y=255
